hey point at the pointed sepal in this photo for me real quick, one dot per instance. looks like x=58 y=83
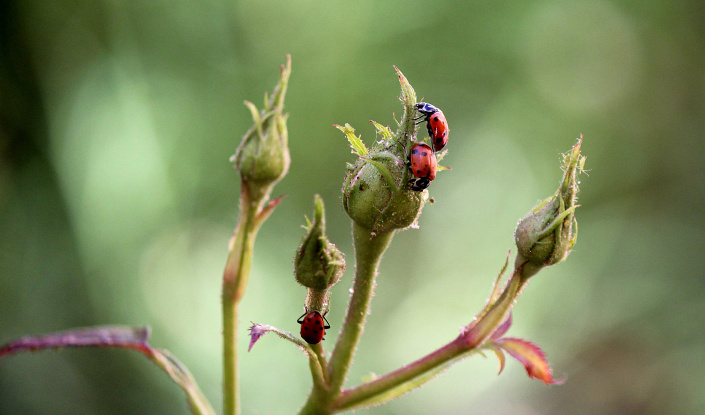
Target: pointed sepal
x=531 y=356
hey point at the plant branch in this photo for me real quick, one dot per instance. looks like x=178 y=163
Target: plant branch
x=235 y=277
x=369 y=248
x=415 y=374
x=400 y=381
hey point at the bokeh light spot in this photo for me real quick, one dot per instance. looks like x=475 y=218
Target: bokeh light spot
x=582 y=56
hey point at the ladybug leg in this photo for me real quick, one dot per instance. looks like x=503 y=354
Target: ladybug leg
x=401 y=144
x=327 y=325
x=301 y=319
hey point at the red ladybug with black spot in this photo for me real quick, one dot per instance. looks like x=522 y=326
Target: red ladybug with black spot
x=313 y=326
x=436 y=124
x=423 y=165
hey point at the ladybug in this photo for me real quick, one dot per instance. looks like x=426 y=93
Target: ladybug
x=313 y=327
x=423 y=166
x=435 y=123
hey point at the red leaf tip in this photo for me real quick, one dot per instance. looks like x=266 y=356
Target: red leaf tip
x=531 y=356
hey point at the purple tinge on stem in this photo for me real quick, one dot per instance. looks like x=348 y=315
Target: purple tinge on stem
x=256 y=331
x=101 y=336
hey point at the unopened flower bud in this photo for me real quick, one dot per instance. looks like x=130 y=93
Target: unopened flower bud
x=376 y=191
x=546 y=235
x=370 y=200
x=263 y=155
x=318 y=264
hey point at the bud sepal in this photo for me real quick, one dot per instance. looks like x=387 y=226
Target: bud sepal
x=548 y=232
x=262 y=158
x=376 y=190
x=318 y=264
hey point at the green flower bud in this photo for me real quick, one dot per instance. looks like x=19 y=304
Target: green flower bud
x=263 y=155
x=376 y=192
x=546 y=235
x=376 y=204
x=318 y=264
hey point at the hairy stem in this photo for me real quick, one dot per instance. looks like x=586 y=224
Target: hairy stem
x=235 y=276
x=383 y=385
x=495 y=314
x=369 y=248
x=402 y=380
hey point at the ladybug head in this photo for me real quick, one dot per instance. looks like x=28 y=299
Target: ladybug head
x=426 y=108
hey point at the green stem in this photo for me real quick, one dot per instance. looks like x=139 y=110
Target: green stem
x=369 y=248
x=235 y=276
x=322 y=363
x=429 y=363
x=320 y=397
x=470 y=339
x=491 y=318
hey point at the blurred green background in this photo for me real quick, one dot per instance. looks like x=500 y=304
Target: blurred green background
x=117 y=199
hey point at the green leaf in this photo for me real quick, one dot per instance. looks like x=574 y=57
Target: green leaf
x=255 y=117
x=384 y=131
x=497 y=288
x=355 y=142
x=408 y=95
x=384 y=171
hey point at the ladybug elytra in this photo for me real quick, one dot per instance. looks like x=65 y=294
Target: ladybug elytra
x=423 y=166
x=313 y=327
x=436 y=124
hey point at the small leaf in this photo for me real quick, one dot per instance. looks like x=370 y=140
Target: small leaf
x=355 y=142
x=384 y=171
x=258 y=330
x=494 y=295
x=439 y=156
x=500 y=356
x=268 y=209
x=255 y=117
x=531 y=356
x=384 y=131
x=503 y=329
x=408 y=95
